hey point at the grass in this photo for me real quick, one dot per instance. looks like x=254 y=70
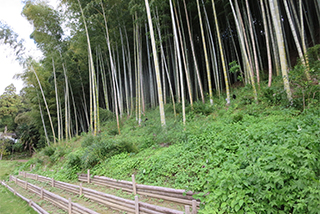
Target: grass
x=8 y=201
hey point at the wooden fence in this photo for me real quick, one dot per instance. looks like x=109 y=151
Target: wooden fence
x=175 y=195
x=114 y=202
x=54 y=199
x=32 y=204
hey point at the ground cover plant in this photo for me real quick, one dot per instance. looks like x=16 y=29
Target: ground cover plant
x=8 y=201
x=247 y=157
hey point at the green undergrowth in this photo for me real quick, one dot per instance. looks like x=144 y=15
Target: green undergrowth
x=248 y=157
x=8 y=201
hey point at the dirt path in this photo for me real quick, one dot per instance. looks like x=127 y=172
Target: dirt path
x=22 y=161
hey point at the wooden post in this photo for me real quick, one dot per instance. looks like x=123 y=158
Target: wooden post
x=136 y=203
x=88 y=176
x=52 y=182
x=187 y=209
x=25 y=174
x=36 y=177
x=15 y=180
x=30 y=203
x=70 y=206
x=134 y=186
x=80 y=189
x=194 y=207
x=30 y=167
x=26 y=185
x=41 y=193
x=14 y=192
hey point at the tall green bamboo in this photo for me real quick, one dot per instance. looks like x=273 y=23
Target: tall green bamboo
x=92 y=77
x=205 y=55
x=156 y=64
x=282 y=53
x=221 y=53
x=193 y=52
x=45 y=102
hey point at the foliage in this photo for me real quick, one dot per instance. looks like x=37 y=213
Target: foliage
x=235 y=68
x=102 y=149
x=307 y=92
x=10 y=104
x=4 y=144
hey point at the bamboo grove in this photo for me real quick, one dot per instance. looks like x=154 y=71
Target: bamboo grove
x=121 y=57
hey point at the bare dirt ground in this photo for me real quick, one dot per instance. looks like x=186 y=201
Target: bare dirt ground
x=22 y=161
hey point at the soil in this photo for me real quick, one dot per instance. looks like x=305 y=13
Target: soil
x=22 y=161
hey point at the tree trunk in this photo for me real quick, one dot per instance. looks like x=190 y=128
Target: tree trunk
x=156 y=64
x=282 y=53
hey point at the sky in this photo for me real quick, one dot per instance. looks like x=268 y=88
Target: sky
x=10 y=13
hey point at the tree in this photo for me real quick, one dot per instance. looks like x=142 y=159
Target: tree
x=10 y=103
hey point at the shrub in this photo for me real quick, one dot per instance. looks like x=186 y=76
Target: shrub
x=48 y=151
x=104 y=149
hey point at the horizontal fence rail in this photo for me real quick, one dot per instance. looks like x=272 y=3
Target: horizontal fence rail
x=175 y=195
x=114 y=202
x=32 y=204
x=54 y=199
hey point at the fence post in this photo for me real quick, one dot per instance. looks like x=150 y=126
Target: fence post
x=52 y=182
x=187 y=209
x=134 y=185
x=25 y=174
x=15 y=180
x=70 y=206
x=88 y=174
x=80 y=189
x=36 y=177
x=30 y=167
x=136 y=203
x=194 y=207
x=26 y=185
x=41 y=193
x=30 y=203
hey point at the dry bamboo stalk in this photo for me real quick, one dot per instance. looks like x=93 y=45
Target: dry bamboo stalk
x=173 y=195
x=177 y=200
x=88 y=176
x=160 y=209
x=194 y=207
x=111 y=179
x=164 y=189
x=149 y=211
x=134 y=185
x=109 y=196
x=70 y=206
x=111 y=205
x=80 y=192
x=113 y=199
x=136 y=201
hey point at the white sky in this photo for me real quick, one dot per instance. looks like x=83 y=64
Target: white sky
x=10 y=13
